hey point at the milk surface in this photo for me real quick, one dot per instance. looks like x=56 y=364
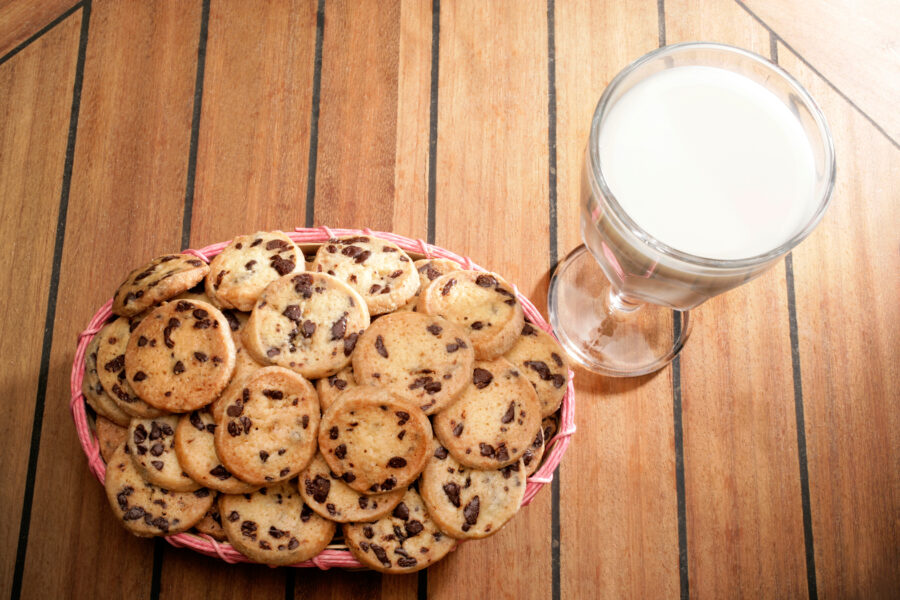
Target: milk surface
x=709 y=163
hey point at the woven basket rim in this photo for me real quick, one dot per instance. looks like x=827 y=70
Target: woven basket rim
x=330 y=557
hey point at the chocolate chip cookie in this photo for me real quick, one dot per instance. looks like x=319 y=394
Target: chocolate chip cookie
x=111 y=369
x=379 y=270
x=531 y=460
x=308 y=322
x=405 y=541
x=329 y=496
x=93 y=391
x=146 y=509
x=375 y=441
x=151 y=443
x=196 y=450
x=421 y=358
x=165 y=277
x=211 y=524
x=429 y=269
x=494 y=421
x=244 y=366
x=239 y=274
x=329 y=388
x=470 y=503
x=110 y=436
x=181 y=356
x=269 y=431
x=539 y=357
x=481 y=303
x=273 y=525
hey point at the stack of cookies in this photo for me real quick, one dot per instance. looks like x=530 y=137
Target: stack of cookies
x=266 y=397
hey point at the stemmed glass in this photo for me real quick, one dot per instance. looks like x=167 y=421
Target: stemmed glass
x=620 y=302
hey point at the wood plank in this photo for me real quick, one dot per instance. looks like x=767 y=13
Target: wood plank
x=847 y=288
x=491 y=204
x=21 y=19
x=34 y=123
x=125 y=206
x=358 y=122
x=740 y=439
x=618 y=502
x=254 y=128
x=251 y=175
x=410 y=209
x=859 y=55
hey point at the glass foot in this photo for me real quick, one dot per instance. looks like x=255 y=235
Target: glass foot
x=604 y=332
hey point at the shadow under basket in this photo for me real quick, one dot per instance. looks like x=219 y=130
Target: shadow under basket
x=336 y=553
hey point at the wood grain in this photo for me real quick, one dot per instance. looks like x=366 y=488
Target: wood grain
x=34 y=124
x=410 y=208
x=859 y=55
x=740 y=436
x=358 y=122
x=847 y=316
x=618 y=475
x=253 y=147
x=128 y=179
x=21 y=19
x=492 y=204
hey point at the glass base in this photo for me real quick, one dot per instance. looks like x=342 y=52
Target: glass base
x=604 y=332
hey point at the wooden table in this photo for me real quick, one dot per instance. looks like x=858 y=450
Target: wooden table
x=764 y=462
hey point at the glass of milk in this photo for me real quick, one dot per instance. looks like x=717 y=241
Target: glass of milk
x=705 y=165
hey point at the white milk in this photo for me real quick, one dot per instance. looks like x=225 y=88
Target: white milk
x=709 y=163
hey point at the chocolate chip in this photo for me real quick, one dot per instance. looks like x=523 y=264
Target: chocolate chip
x=433 y=387
x=452 y=490
x=156 y=449
x=293 y=543
x=374 y=289
x=201 y=357
x=116 y=364
x=303 y=285
x=236 y=409
x=339 y=328
x=234 y=429
x=440 y=453
x=308 y=329
x=248 y=528
x=403 y=416
x=502 y=452
x=446 y=289
x=305 y=513
x=470 y=512
x=333 y=433
x=247 y=423
x=318 y=488
x=333 y=381
x=134 y=513
x=293 y=312
x=396 y=273
x=434 y=329
x=457 y=431
x=263 y=455
x=381 y=554
x=183 y=306
x=401 y=434
x=401 y=511
x=142 y=341
x=158 y=464
x=272 y=352
x=510 y=413
x=379 y=346
x=361 y=257
x=406 y=562
x=348 y=477
x=170 y=327
x=201 y=493
x=304 y=421
x=273 y=394
x=341 y=451
x=482 y=378
x=477 y=325
x=486 y=449
x=220 y=472
x=397 y=462
x=486 y=281
x=388 y=484
x=413 y=528
x=367 y=530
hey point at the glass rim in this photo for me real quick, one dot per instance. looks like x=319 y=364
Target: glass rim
x=636 y=230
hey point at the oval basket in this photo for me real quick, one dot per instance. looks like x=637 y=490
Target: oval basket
x=336 y=554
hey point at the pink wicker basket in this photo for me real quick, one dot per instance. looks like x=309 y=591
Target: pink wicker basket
x=335 y=555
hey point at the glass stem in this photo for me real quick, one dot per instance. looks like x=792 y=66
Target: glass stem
x=619 y=301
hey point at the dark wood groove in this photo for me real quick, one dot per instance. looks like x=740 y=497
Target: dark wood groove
x=195 y=129
x=52 y=296
x=41 y=32
x=433 y=119
x=314 y=119
x=802 y=59
x=678 y=428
